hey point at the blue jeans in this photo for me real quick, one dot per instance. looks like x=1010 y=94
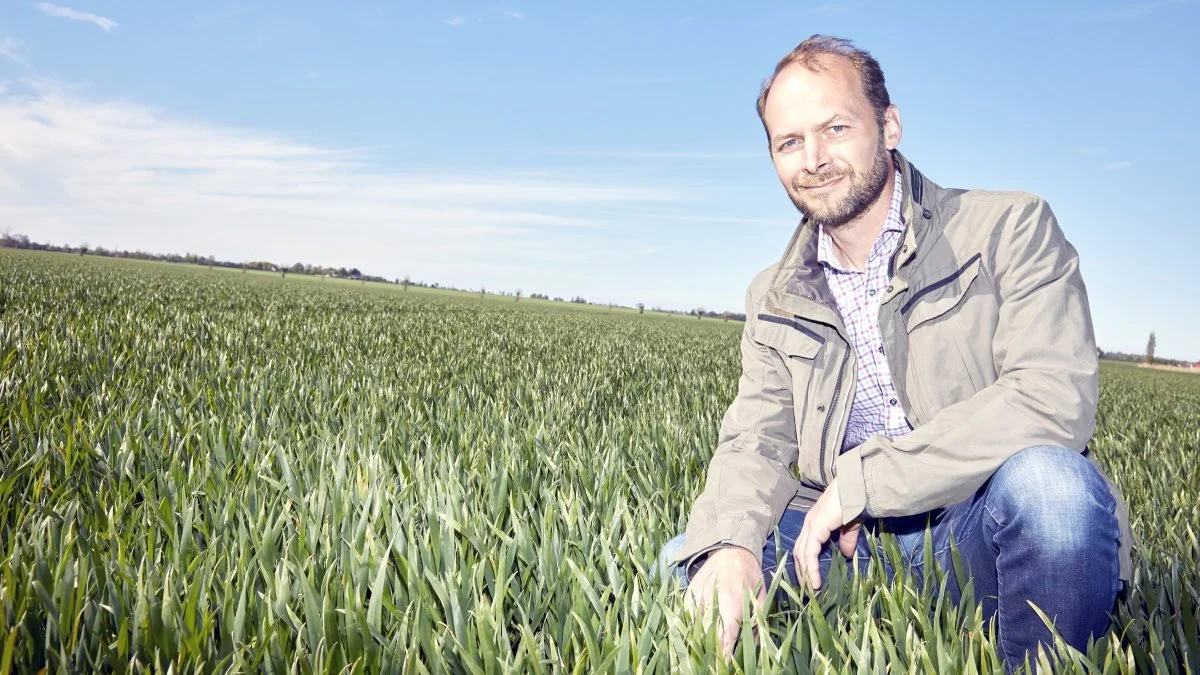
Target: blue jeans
x=1042 y=529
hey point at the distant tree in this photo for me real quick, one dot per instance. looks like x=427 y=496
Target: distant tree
x=407 y=281
x=482 y=291
x=518 y=294
x=83 y=249
x=1150 y=348
x=641 y=308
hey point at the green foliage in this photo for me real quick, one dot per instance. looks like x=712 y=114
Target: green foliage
x=205 y=471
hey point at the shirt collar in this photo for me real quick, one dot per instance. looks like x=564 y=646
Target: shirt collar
x=893 y=223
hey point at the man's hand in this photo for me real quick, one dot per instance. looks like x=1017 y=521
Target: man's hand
x=819 y=524
x=732 y=573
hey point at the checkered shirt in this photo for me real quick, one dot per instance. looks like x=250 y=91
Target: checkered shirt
x=875 y=409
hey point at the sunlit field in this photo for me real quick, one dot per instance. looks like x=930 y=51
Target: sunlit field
x=204 y=470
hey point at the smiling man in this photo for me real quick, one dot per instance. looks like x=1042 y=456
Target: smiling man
x=920 y=356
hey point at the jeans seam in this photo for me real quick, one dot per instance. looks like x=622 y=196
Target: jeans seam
x=999 y=591
x=970 y=533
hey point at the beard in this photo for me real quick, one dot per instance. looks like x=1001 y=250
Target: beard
x=864 y=190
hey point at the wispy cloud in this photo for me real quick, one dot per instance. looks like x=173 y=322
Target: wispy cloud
x=454 y=21
x=1129 y=11
x=104 y=23
x=514 y=14
x=312 y=75
x=14 y=50
x=1103 y=158
x=122 y=174
x=831 y=8
x=658 y=154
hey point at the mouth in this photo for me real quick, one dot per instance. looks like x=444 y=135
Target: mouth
x=823 y=187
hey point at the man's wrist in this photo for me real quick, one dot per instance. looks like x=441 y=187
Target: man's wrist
x=692 y=567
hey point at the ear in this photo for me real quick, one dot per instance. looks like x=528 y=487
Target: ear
x=892 y=128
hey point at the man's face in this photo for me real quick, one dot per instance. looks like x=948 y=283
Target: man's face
x=828 y=149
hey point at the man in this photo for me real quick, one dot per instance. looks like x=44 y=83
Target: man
x=919 y=356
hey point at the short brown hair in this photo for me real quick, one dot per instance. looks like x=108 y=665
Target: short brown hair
x=806 y=53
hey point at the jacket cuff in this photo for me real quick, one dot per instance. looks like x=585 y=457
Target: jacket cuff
x=852 y=484
x=743 y=534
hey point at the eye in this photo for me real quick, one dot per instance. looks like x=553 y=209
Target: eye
x=838 y=128
x=788 y=144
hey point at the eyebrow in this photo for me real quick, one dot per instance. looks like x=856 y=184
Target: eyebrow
x=835 y=117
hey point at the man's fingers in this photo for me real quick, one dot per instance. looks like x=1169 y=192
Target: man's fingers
x=731 y=602
x=812 y=552
x=729 y=635
x=699 y=594
x=807 y=553
x=848 y=541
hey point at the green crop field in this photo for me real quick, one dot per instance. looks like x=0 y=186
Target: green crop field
x=208 y=471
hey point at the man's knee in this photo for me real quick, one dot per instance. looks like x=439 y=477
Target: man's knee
x=1056 y=493
x=663 y=565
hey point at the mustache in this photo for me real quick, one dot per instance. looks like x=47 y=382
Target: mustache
x=819 y=179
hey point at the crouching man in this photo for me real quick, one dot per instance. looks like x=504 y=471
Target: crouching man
x=920 y=355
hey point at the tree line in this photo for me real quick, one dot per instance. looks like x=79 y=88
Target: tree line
x=21 y=241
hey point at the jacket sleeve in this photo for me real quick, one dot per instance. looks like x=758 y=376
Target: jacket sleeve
x=1046 y=391
x=750 y=479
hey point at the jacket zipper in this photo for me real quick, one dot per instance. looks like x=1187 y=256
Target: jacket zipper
x=837 y=390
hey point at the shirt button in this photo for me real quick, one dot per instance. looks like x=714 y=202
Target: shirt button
x=892 y=401
x=889 y=288
x=820 y=407
x=871 y=292
x=880 y=349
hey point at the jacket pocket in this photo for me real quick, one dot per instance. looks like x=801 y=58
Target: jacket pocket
x=787 y=336
x=800 y=348
x=939 y=373
x=941 y=295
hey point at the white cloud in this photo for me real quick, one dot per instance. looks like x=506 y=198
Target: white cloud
x=13 y=49
x=104 y=23
x=312 y=75
x=515 y=14
x=454 y=21
x=831 y=8
x=1102 y=154
x=660 y=154
x=124 y=175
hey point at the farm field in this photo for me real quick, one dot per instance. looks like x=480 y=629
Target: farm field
x=205 y=471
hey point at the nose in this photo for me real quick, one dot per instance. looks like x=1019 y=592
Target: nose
x=815 y=157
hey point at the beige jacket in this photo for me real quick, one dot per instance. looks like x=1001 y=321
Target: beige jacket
x=989 y=340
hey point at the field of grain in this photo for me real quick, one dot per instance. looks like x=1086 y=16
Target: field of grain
x=208 y=471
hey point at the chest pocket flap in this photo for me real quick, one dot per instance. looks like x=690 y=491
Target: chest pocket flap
x=940 y=295
x=787 y=336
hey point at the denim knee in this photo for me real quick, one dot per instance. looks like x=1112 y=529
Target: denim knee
x=1053 y=493
x=662 y=565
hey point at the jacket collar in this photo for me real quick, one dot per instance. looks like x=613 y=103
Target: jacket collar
x=799 y=284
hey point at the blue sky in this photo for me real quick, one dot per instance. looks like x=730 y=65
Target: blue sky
x=606 y=150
